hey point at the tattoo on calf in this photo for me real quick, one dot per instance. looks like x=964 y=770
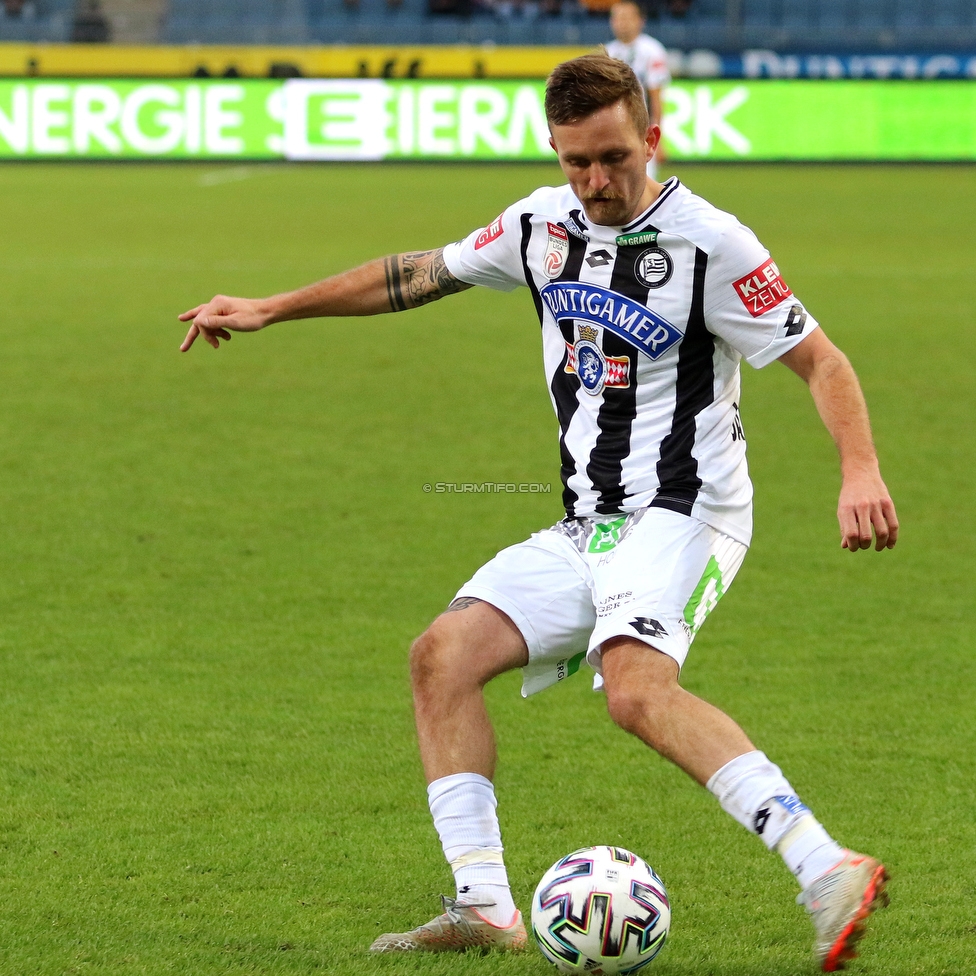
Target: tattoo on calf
x=419 y=277
x=462 y=603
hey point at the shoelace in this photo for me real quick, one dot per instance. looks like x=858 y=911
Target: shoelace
x=811 y=898
x=452 y=909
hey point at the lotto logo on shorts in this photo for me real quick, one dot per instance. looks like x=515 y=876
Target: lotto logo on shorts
x=649 y=627
x=492 y=231
x=762 y=289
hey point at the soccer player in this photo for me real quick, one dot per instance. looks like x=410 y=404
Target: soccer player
x=648 y=297
x=647 y=57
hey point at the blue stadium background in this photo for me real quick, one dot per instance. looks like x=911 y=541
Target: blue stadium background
x=720 y=25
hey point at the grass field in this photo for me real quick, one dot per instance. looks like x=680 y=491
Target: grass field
x=212 y=565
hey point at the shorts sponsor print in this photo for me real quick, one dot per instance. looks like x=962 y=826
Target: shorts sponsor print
x=610 y=604
x=653 y=574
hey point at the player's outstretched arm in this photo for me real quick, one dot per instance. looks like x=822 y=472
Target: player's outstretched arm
x=865 y=503
x=390 y=284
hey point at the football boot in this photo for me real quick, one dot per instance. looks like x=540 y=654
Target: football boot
x=460 y=927
x=839 y=903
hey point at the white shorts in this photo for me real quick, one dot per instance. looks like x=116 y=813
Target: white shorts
x=653 y=575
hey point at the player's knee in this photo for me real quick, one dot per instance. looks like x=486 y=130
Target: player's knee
x=434 y=660
x=626 y=709
x=424 y=656
x=642 y=711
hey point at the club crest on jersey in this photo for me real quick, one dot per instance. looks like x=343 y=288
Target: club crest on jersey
x=596 y=370
x=654 y=267
x=762 y=289
x=557 y=250
x=636 y=324
x=490 y=233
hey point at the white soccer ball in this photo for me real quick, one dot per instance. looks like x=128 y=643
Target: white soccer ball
x=600 y=911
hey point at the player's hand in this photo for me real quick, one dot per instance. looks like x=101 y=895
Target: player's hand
x=866 y=508
x=216 y=319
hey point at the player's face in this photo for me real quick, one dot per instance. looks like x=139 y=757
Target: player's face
x=605 y=160
x=626 y=22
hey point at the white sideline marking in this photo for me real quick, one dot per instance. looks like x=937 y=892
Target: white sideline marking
x=225 y=175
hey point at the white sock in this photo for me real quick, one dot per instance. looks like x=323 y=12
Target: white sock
x=463 y=808
x=757 y=794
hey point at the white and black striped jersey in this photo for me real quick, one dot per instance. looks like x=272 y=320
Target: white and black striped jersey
x=643 y=327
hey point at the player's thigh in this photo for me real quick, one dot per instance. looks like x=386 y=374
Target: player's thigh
x=660 y=584
x=542 y=586
x=626 y=662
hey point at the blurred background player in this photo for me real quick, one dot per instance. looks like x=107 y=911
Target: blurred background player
x=647 y=58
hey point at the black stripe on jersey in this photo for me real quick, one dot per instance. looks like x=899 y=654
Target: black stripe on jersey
x=526 y=237
x=619 y=407
x=677 y=469
x=564 y=386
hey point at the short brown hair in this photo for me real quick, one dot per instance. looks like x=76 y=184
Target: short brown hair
x=578 y=88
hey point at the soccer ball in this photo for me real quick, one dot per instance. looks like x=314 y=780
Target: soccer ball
x=600 y=911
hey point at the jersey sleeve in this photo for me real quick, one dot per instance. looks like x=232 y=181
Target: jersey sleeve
x=747 y=302
x=490 y=255
x=656 y=73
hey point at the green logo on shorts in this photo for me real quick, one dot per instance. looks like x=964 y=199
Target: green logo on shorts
x=565 y=668
x=606 y=535
x=707 y=594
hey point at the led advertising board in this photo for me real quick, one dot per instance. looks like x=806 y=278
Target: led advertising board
x=378 y=119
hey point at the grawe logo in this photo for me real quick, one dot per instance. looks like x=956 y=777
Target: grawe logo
x=493 y=230
x=762 y=289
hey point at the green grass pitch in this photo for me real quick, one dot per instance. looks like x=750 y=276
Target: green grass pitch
x=211 y=566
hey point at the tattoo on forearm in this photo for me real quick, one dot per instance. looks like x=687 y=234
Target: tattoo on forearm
x=392 y=265
x=419 y=277
x=462 y=603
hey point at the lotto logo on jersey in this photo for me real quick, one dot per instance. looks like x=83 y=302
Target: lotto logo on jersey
x=557 y=250
x=762 y=289
x=490 y=233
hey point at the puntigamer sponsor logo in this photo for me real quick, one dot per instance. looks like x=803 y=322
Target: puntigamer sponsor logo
x=644 y=329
